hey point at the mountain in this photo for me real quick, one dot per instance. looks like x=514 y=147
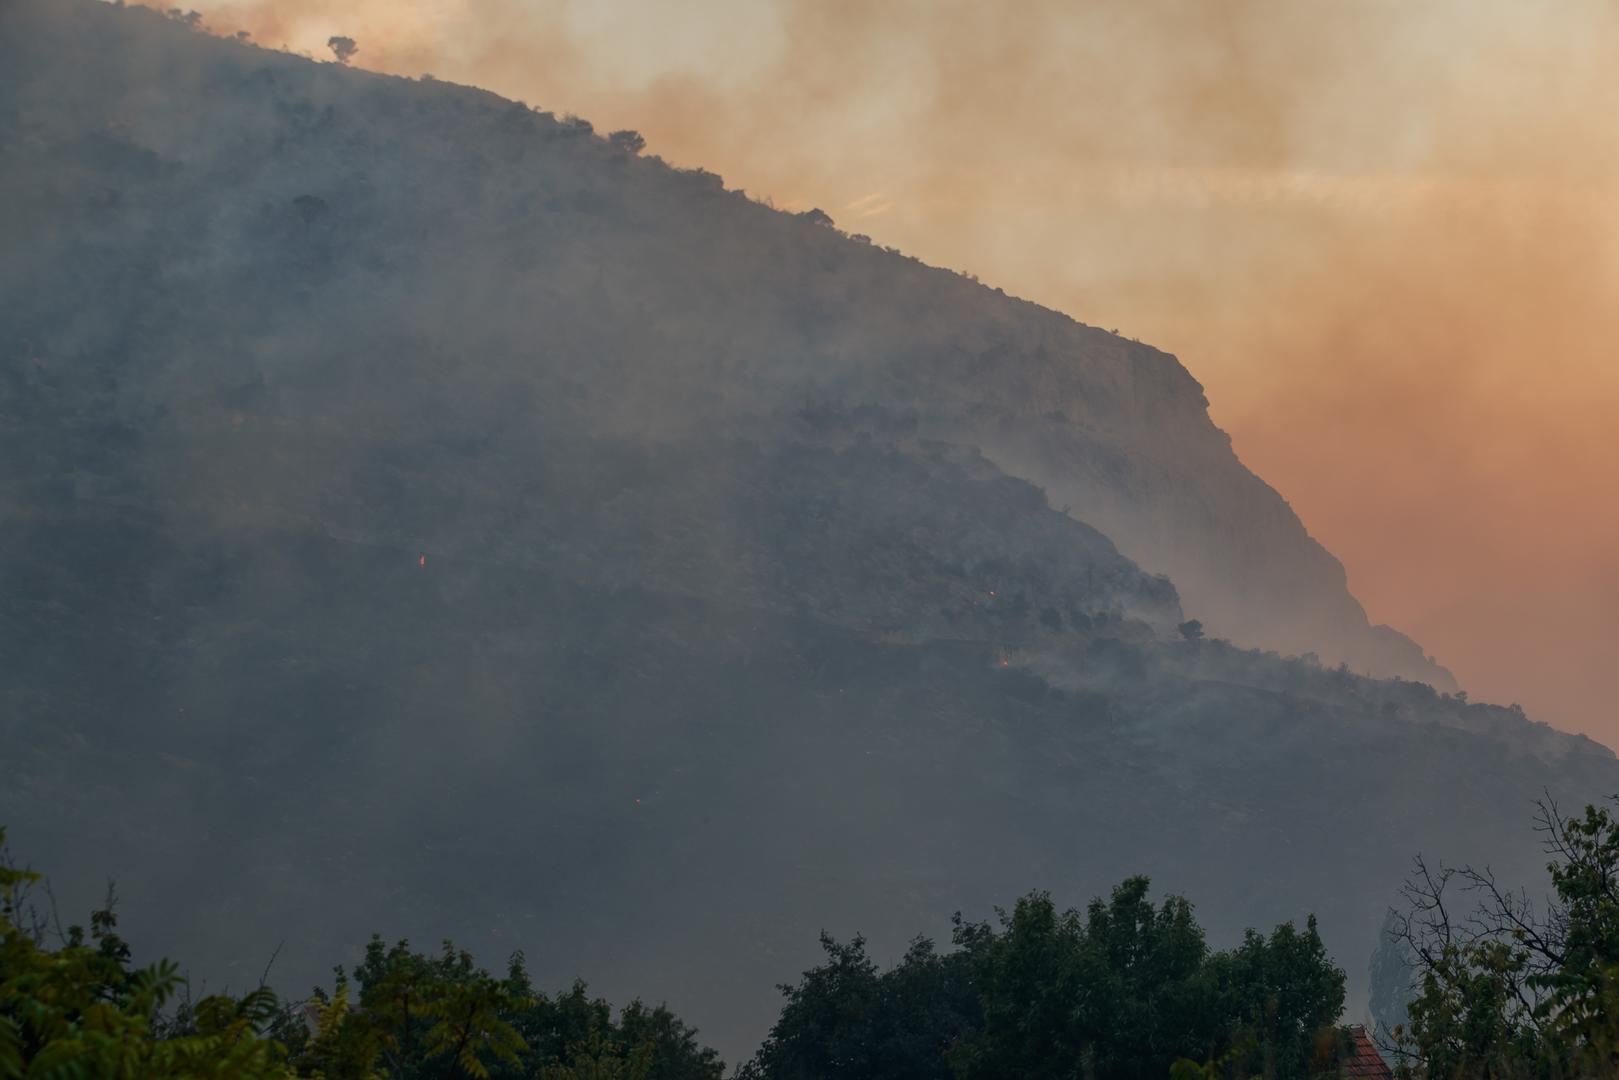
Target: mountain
x=425 y=515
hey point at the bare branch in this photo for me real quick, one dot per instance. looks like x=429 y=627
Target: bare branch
x=264 y=976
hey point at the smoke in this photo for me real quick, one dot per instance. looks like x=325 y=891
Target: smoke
x=1380 y=233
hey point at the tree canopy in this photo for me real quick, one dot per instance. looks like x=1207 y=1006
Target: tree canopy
x=72 y=1005
x=1505 y=988
x=1124 y=989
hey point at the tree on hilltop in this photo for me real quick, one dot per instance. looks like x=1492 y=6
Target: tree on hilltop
x=342 y=47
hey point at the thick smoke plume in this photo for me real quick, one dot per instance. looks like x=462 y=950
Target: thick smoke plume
x=1380 y=233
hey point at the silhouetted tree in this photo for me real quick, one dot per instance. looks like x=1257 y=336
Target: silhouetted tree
x=342 y=47
x=628 y=141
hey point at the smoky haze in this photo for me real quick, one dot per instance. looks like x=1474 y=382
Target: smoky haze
x=1380 y=235
x=426 y=515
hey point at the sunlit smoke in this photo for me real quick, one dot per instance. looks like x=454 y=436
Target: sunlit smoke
x=1382 y=234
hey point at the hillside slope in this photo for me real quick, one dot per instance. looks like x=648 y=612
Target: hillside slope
x=276 y=215
x=421 y=516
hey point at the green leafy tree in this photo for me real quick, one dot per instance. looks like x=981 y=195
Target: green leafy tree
x=1279 y=996
x=344 y=1045
x=1122 y=991
x=600 y=1058
x=1125 y=989
x=425 y=1016
x=81 y=1010
x=420 y=1016
x=672 y=1048
x=396 y=988
x=471 y=1027
x=1506 y=989
x=845 y=1019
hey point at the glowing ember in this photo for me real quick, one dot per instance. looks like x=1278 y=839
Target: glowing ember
x=422 y=561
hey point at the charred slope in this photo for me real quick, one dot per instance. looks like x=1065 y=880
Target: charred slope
x=401 y=484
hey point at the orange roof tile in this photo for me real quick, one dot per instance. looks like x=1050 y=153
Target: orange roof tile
x=1365 y=1061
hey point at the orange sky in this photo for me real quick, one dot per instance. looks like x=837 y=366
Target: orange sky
x=1384 y=235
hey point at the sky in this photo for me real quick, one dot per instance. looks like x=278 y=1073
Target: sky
x=1383 y=235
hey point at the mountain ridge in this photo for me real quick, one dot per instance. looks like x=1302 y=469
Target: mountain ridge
x=1106 y=426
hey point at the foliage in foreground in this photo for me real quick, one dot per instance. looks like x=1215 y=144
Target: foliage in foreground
x=1508 y=991
x=1124 y=990
x=417 y=1013
x=81 y=1010
x=1502 y=991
